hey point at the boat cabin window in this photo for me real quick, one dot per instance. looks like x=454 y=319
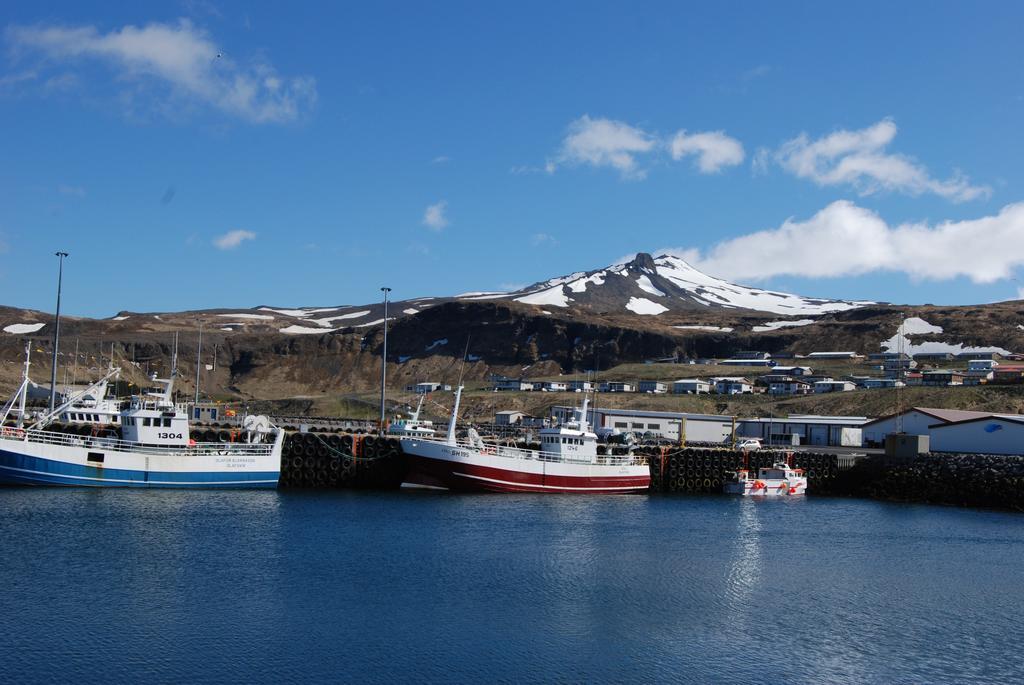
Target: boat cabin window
x=145 y=421
x=167 y=423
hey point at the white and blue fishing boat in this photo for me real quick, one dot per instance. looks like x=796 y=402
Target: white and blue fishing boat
x=153 y=450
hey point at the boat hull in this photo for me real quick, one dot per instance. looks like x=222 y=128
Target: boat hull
x=436 y=466
x=748 y=489
x=26 y=463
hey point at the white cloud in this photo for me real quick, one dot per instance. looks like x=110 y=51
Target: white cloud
x=233 y=239
x=846 y=240
x=859 y=159
x=441 y=159
x=714 y=150
x=1020 y=293
x=434 y=217
x=538 y=239
x=180 y=57
x=604 y=143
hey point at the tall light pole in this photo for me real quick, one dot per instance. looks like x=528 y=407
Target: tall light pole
x=56 y=330
x=199 y=361
x=384 y=359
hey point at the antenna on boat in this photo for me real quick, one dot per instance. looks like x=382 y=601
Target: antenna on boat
x=24 y=386
x=56 y=329
x=450 y=438
x=174 y=356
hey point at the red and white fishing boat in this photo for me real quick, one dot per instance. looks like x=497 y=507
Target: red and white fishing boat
x=775 y=481
x=567 y=462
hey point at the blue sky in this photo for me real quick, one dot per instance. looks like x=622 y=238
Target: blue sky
x=223 y=154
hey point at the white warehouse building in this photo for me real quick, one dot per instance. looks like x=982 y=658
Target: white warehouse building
x=698 y=427
x=993 y=434
x=824 y=431
x=914 y=421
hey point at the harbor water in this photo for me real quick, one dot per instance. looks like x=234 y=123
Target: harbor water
x=349 y=586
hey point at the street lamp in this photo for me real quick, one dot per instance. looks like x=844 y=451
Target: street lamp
x=56 y=330
x=384 y=359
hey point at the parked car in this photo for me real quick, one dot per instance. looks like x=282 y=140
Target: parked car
x=748 y=444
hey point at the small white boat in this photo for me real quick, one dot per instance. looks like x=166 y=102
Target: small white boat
x=778 y=480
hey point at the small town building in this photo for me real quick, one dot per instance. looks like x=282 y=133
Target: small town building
x=580 y=386
x=833 y=355
x=942 y=377
x=549 y=386
x=834 y=386
x=617 y=386
x=510 y=384
x=982 y=365
x=977 y=355
x=731 y=385
x=427 y=386
x=789 y=386
x=509 y=418
x=752 y=354
x=656 y=387
x=875 y=383
x=792 y=370
x=690 y=386
x=746 y=362
x=206 y=412
x=897 y=366
x=1008 y=375
x=933 y=356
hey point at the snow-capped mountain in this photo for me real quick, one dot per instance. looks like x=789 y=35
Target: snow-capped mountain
x=651 y=286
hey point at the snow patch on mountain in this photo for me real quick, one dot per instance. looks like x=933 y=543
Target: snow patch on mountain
x=299 y=313
x=295 y=329
x=554 y=296
x=265 y=317
x=326 y=321
x=436 y=343
x=776 y=325
x=641 y=305
x=580 y=285
x=915 y=325
x=645 y=284
x=918 y=326
x=21 y=328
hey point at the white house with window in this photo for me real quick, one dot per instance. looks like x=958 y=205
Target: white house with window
x=731 y=385
x=691 y=386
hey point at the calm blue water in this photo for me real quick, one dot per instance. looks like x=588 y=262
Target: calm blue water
x=105 y=585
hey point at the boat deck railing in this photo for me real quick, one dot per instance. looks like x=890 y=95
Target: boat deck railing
x=43 y=437
x=552 y=457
